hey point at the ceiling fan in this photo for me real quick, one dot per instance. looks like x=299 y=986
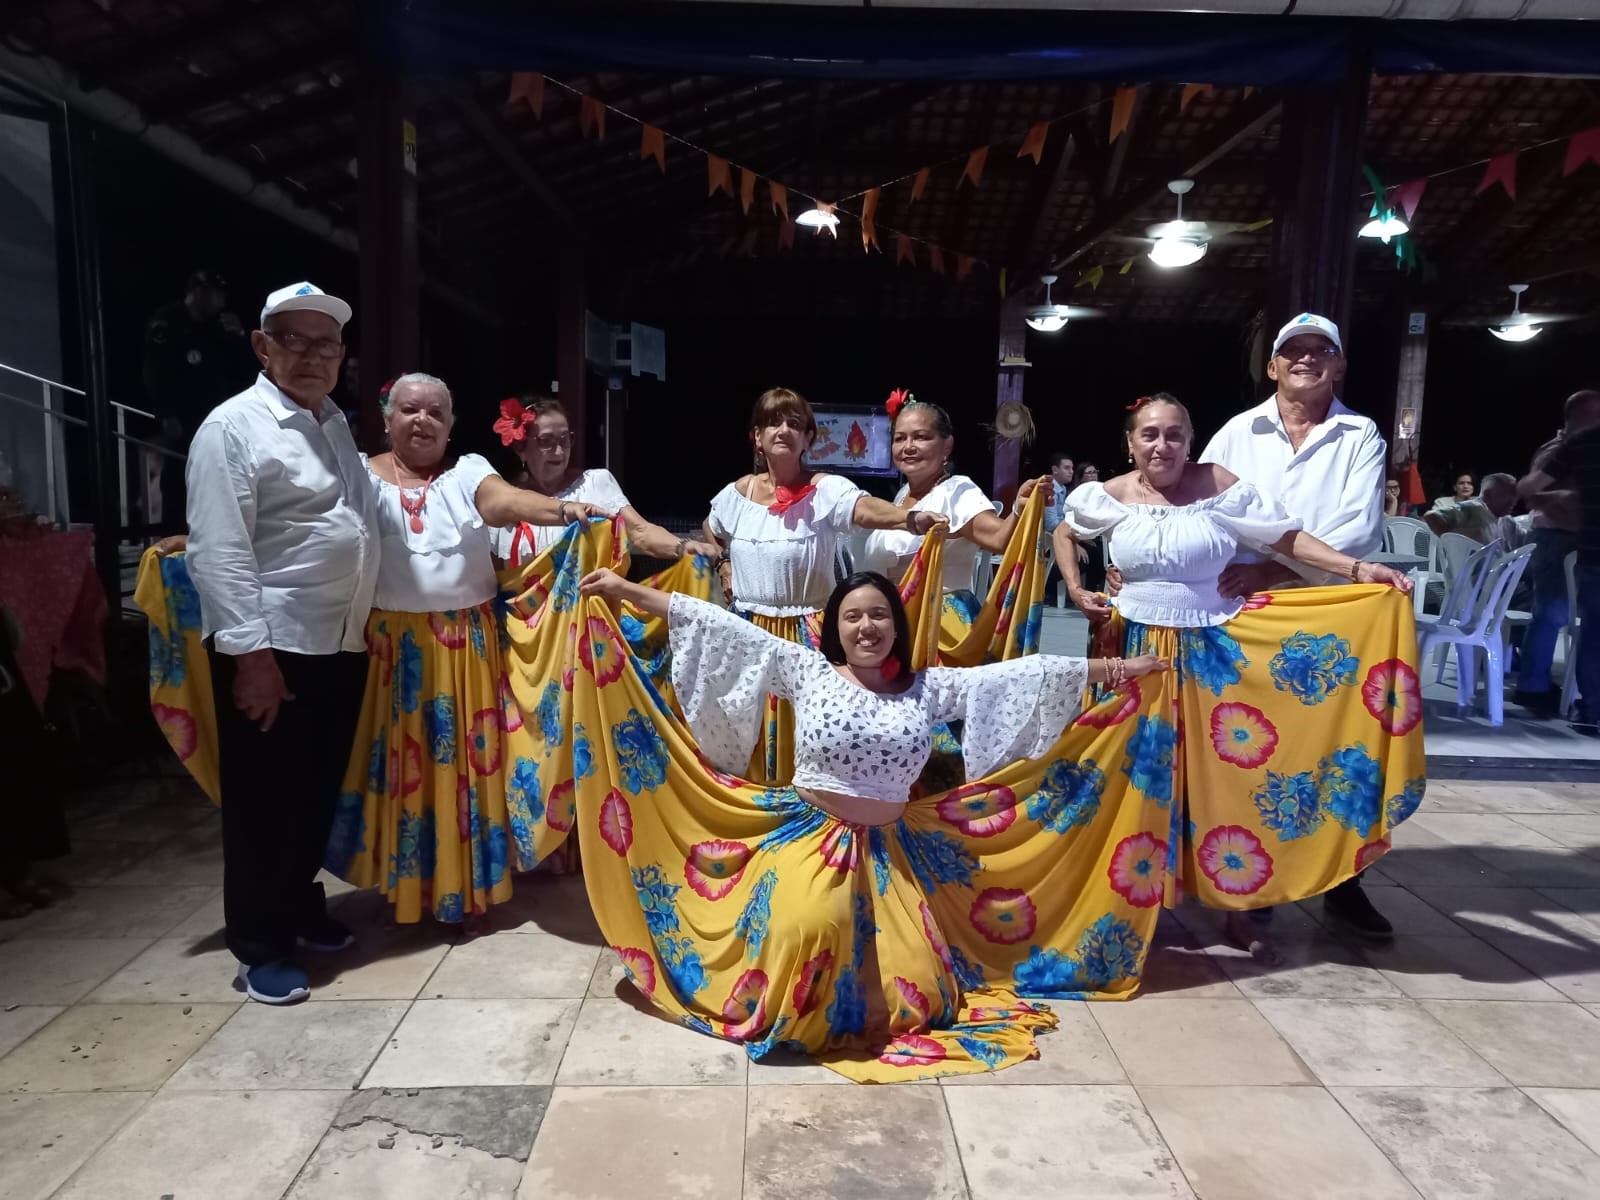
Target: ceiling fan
x=1180 y=243
x=1049 y=316
x=1519 y=326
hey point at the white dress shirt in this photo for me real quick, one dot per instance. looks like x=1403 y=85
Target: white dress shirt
x=1333 y=483
x=283 y=544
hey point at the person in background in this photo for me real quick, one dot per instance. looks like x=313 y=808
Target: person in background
x=1485 y=517
x=1556 y=516
x=1087 y=473
x=1391 y=498
x=283 y=551
x=1460 y=492
x=1092 y=560
x=1061 y=474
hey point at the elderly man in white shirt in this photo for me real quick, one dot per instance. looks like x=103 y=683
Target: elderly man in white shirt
x=283 y=549
x=1325 y=464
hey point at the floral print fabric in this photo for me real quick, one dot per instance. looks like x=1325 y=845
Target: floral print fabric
x=180 y=673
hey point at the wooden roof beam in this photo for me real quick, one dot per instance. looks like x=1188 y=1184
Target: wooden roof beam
x=187 y=35
x=512 y=158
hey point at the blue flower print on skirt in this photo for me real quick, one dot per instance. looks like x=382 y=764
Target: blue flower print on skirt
x=1312 y=667
x=1290 y=805
x=547 y=715
x=408 y=672
x=641 y=754
x=1407 y=802
x=1212 y=658
x=1068 y=796
x=1351 y=783
x=1149 y=761
x=439 y=724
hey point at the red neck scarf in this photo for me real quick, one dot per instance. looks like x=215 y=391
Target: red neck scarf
x=788 y=497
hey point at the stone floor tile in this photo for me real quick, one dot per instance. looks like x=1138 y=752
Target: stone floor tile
x=617 y=1042
x=302 y=1047
x=836 y=1142
x=1074 y=1052
x=1576 y=1108
x=1184 y=972
x=1463 y=796
x=1531 y=1044
x=1555 y=867
x=1198 y=1042
x=1376 y=1042
x=553 y=904
x=1442 y=866
x=472 y=1043
x=1585 y=902
x=1062 y=1141
x=148 y=824
x=683 y=1143
x=384 y=964
x=1489 y=1142
x=428 y=1144
x=1475 y=830
x=535 y=965
x=203 y=924
x=111 y=1047
x=116 y=912
x=1456 y=968
x=1260 y=1143
x=610 y=979
x=92 y=863
x=1318 y=966
x=19 y=1022
x=783 y=1068
x=44 y=1139
x=1576 y=831
x=1410 y=915
x=189 y=858
x=1205 y=924
x=220 y=1145
x=60 y=971
x=173 y=969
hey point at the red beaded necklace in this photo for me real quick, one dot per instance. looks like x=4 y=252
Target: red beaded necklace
x=412 y=508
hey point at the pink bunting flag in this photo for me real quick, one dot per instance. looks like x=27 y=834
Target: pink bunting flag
x=1584 y=147
x=1502 y=169
x=1407 y=196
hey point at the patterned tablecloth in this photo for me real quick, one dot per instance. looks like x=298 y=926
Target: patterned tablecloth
x=48 y=582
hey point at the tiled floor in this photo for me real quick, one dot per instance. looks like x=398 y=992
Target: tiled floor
x=1463 y=1060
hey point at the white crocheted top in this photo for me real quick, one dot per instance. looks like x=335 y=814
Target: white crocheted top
x=849 y=740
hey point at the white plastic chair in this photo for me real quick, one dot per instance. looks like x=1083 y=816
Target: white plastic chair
x=1480 y=629
x=1407 y=535
x=1570 y=636
x=1460 y=599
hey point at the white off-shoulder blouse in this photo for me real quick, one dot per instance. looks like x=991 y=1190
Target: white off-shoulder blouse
x=955 y=498
x=448 y=564
x=848 y=740
x=1170 y=556
x=783 y=562
x=523 y=543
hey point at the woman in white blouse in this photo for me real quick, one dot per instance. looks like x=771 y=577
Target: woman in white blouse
x=779 y=530
x=432 y=810
x=1295 y=743
x=543 y=439
x=922 y=445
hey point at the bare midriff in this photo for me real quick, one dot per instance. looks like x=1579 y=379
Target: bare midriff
x=852 y=810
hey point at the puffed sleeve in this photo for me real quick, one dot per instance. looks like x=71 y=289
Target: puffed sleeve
x=963 y=500
x=834 y=504
x=469 y=473
x=720 y=519
x=1090 y=511
x=723 y=667
x=1012 y=710
x=605 y=491
x=1253 y=518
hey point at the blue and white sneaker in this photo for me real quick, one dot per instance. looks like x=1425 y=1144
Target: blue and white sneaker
x=327 y=937
x=280 y=982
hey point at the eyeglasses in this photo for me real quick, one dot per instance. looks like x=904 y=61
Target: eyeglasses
x=1296 y=353
x=298 y=343
x=553 y=441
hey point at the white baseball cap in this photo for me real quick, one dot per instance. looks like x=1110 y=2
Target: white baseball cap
x=305 y=296
x=1308 y=323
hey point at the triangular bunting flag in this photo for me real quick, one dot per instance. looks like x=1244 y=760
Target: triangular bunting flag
x=824 y=206
x=974 y=168
x=1584 y=147
x=747 y=189
x=719 y=177
x=592 y=116
x=963 y=265
x=905 y=250
x=1256 y=225
x=1190 y=91
x=1407 y=196
x=786 y=234
x=920 y=184
x=1093 y=276
x=936 y=260
x=529 y=86
x=653 y=144
x=869 y=219
x=1033 y=144
x=1502 y=169
x=1122 y=111
x=780 y=198
x=1126 y=267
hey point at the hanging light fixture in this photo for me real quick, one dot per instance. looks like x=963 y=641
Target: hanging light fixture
x=1384 y=225
x=1175 y=245
x=819 y=218
x=1518 y=326
x=1047 y=317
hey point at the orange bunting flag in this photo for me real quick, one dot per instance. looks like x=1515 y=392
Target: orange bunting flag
x=1033 y=144
x=1248 y=92
x=592 y=115
x=974 y=167
x=780 y=199
x=786 y=234
x=920 y=184
x=1502 y=169
x=747 y=189
x=529 y=86
x=1584 y=147
x=1122 y=110
x=825 y=207
x=936 y=260
x=653 y=144
x=1407 y=196
x=963 y=265
x=905 y=250
x=719 y=178
x=869 y=219
x=1190 y=91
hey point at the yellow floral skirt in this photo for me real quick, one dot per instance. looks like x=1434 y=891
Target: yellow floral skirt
x=1290 y=747
x=180 y=672
x=1007 y=623
x=891 y=953
x=773 y=758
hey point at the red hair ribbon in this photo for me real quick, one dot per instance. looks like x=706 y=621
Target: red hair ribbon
x=1138 y=404
x=897 y=400
x=514 y=421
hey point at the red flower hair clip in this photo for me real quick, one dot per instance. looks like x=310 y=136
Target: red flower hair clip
x=1138 y=404
x=897 y=400
x=514 y=421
